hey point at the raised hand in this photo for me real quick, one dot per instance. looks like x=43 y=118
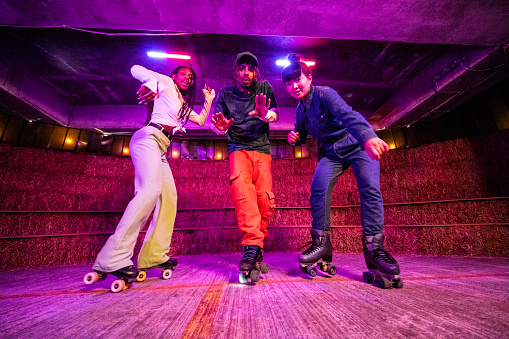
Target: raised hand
x=262 y=106
x=293 y=137
x=145 y=95
x=375 y=147
x=209 y=93
x=220 y=122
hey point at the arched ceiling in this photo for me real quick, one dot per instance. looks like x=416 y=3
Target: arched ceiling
x=68 y=61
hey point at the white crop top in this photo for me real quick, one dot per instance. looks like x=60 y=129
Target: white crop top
x=168 y=100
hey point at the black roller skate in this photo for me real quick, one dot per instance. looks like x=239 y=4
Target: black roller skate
x=127 y=275
x=318 y=254
x=383 y=268
x=167 y=269
x=251 y=264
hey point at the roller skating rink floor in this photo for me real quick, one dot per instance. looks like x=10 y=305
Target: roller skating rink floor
x=442 y=297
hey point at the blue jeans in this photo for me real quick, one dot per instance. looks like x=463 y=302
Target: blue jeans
x=338 y=157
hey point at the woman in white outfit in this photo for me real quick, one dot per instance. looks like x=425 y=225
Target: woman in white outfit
x=154 y=185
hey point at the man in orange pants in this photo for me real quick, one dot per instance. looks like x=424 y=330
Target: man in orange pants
x=244 y=111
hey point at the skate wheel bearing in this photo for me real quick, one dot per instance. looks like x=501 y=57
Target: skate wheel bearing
x=91 y=278
x=311 y=271
x=166 y=273
x=118 y=286
x=142 y=275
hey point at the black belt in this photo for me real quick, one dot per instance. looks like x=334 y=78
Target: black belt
x=162 y=129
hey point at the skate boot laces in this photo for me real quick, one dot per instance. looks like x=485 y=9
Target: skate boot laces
x=312 y=249
x=249 y=253
x=383 y=256
x=306 y=244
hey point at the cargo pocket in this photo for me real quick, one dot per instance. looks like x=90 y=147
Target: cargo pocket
x=237 y=187
x=269 y=203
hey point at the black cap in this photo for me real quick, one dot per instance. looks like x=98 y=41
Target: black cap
x=246 y=58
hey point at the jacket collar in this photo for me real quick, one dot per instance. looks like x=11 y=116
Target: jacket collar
x=309 y=98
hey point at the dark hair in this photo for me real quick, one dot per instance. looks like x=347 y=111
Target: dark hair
x=188 y=96
x=295 y=68
x=257 y=76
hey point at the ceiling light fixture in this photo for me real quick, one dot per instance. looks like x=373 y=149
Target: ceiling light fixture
x=285 y=62
x=162 y=55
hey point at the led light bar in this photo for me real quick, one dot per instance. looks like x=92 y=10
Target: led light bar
x=282 y=62
x=285 y=62
x=168 y=56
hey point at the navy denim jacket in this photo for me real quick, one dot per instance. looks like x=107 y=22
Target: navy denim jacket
x=328 y=118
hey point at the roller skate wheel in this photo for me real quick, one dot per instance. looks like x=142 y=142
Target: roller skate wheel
x=311 y=271
x=91 y=278
x=398 y=283
x=264 y=268
x=254 y=276
x=118 y=286
x=142 y=275
x=303 y=269
x=383 y=282
x=323 y=267
x=166 y=273
x=332 y=270
x=367 y=277
x=242 y=278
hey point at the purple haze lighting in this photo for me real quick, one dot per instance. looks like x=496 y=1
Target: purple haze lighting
x=153 y=54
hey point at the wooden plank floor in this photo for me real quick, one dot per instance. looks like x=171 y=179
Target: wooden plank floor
x=443 y=297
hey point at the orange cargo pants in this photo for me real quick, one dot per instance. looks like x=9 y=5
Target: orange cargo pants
x=251 y=186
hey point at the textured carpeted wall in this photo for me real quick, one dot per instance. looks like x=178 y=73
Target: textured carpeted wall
x=449 y=198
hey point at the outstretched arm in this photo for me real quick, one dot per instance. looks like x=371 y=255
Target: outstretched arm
x=262 y=109
x=145 y=94
x=153 y=82
x=220 y=123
